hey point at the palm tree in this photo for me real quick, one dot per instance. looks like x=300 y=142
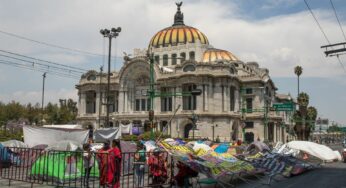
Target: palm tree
x=298 y=70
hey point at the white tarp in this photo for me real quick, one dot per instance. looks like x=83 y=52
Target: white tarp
x=14 y=143
x=320 y=151
x=38 y=135
x=70 y=126
x=126 y=129
x=101 y=135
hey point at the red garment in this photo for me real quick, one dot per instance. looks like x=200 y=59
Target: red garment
x=114 y=167
x=103 y=158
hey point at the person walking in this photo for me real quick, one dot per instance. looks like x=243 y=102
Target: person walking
x=114 y=165
x=139 y=165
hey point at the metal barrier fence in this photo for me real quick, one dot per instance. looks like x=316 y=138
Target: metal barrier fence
x=73 y=169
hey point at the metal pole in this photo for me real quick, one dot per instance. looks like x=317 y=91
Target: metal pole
x=44 y=78
x=108 y=80
x=100 y=97
x=151 y=92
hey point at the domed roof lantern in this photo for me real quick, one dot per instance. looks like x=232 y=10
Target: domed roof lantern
x=179 y=16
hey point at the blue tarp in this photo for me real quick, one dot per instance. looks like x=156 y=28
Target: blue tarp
x=222 y=148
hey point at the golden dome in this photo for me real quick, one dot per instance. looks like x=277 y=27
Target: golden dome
x=212 y=55
x=180 y=34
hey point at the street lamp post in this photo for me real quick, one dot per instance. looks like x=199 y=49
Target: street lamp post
x=43 y=83
x=100 y=97
x=113 y=33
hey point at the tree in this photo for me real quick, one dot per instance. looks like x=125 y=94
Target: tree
x=300 y=116
x=298 y=70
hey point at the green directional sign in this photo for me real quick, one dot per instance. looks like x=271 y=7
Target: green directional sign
x=283 y=106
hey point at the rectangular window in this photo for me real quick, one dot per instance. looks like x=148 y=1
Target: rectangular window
x=165 y=60
x=157 y=59
x=232 y=98
x=166 y=101
x=249 y=125
x=189 y=102
x=143 y=101
x=174 y=59
x=138 y=105
x=90 y=102
x=248 y=91
x=249 y=105
x=182 y=57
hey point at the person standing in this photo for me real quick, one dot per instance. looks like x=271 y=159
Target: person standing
x=139 y=165
x=88 y=162
x=114 y=164
x=103 y=161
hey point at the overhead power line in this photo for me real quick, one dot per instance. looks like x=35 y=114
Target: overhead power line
x=337 y=18
x=324 y=34
x=40 y=69
x=49 y=62
x=54 y=45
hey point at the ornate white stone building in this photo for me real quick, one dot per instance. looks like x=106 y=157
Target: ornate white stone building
x=235 y=98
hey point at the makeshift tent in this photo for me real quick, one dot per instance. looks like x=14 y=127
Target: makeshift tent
x=104 y=134
x=65 y=145
x=320 y=151
x=72 y=126
x=14 y=143
x=61 y=167
x=7 y=157
x=38 y=135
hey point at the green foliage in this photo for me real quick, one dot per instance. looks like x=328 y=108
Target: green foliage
x=298 y=70
x=52 y=113
x=334 y=128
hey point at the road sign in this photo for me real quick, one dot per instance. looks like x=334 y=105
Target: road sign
x=283 y=106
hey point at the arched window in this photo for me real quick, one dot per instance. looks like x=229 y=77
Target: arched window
x=182 y=57
x=174 y=59
x=165 y=60
x=189 y=68
x=91 y=77
x=192 y=55
x=232 y=98
x=157 y=59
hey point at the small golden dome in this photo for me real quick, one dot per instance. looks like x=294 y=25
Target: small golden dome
x=212 y=55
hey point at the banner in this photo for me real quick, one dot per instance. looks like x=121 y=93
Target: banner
x=102 y=135
x=38 y=135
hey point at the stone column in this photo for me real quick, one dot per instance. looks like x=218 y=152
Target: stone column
x=179 y=100
x=121 y=101
x=83 y=103
x=217 y=99
x=97 y=102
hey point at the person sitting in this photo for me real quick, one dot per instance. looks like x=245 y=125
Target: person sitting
x=184 y=173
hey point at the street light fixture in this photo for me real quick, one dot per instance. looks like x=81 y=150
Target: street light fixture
x=113 y=33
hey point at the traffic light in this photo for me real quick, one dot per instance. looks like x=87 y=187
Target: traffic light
x=151 y=115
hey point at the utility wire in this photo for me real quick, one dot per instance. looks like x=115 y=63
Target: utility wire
x=52 y=45
x=337 y=18
x=324 y=34
x=313 y=15
x=48 y=66
x=36 y=59
x=14 y=64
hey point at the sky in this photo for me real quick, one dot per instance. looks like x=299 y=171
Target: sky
x=278 y=34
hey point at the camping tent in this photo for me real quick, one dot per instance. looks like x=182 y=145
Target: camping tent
x=61 y=167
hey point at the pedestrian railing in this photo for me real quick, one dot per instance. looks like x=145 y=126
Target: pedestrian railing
x=71 y=169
